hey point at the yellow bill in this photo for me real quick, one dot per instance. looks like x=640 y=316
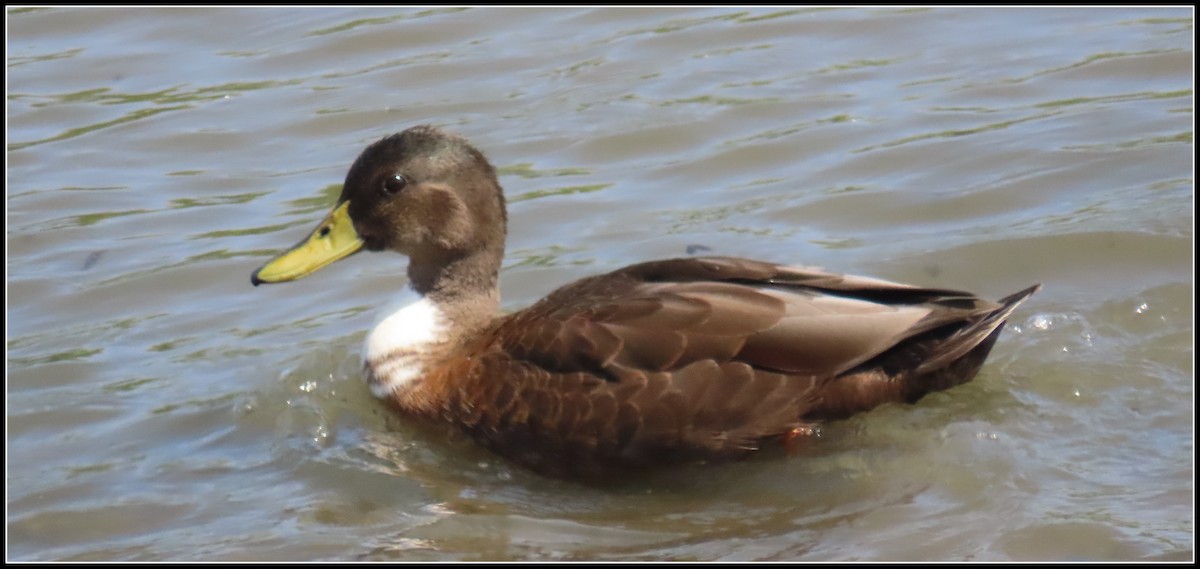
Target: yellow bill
x=335 y=238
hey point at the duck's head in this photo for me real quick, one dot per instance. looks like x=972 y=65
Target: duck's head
x=423 y=192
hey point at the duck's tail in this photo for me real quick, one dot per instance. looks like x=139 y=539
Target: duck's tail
x=1013 y=300
x=937 y=359
x=962 y=354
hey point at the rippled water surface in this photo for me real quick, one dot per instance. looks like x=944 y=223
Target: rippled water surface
x=159 y=407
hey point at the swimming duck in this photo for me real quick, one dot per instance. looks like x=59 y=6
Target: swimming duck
x=692 y=359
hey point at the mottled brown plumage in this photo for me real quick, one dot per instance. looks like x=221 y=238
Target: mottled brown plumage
x=667 y=361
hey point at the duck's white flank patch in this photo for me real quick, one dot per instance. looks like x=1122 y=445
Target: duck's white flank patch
x=408 y=329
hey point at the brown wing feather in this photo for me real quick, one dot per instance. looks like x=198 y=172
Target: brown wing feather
x=665 y=315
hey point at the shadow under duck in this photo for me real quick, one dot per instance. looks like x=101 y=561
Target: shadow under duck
x=681 y=360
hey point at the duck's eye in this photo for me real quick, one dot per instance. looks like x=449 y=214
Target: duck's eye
x=395 y=184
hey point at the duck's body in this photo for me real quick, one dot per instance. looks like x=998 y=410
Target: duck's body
x=667 y=361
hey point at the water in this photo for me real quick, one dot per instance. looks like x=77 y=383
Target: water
x=160 y=408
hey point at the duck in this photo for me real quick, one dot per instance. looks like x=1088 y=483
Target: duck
x=689 y=360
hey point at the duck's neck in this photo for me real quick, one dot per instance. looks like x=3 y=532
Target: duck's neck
x=445 y=303
x=450 y=281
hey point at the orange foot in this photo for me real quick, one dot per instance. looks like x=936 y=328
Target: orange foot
x=799 y=438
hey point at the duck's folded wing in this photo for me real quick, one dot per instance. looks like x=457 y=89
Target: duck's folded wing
x=667 y=315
